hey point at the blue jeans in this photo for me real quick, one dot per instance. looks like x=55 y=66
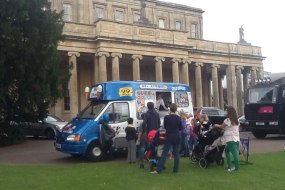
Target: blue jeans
x=142 y=149
x=163 y=158
x=184 y=148
x=192 y=142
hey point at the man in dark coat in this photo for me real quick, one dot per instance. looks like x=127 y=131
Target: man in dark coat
x=151 y=118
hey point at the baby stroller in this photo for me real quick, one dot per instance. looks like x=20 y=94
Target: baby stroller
x=205 y=152
x=155 y=145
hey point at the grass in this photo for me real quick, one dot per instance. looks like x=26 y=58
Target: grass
x=266 y=172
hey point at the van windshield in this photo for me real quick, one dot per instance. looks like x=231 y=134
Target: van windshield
x=92 y=110
x=260 y=95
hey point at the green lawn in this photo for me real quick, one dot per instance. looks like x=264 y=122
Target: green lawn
x=266 y=172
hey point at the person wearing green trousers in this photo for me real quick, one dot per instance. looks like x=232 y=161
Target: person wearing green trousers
x=231 y=138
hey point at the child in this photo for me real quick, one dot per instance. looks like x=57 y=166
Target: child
x=184 y=148
x=205 y=124
x=142 y=141
x=155 y=146
x=131 y=136
x=193 y=136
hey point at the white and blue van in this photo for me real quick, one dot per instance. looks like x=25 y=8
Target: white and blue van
x=114 y=102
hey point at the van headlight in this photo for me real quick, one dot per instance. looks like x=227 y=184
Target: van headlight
x=68 y=128
x=75 y=138
x=273 y=123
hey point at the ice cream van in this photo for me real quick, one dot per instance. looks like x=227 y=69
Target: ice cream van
x=114 y=102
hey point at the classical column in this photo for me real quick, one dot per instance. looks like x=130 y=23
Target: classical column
x=221 y=91
x=245 y=80
x=185 y=71
x=215 y=83
x=209 y=95
x=192 y=86
x=260 y=73
x=72 y=85
x=239 y=90
x=103 y=65
x=198 y=84
x=231 y=86
x=136 y=67
x=253 y=76
x=205 y=88
x=115 y=66
x=158 y=68
x=96 y=68
x=175 y=69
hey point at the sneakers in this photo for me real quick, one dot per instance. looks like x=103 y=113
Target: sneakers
x=232 y=169
x=154 y=172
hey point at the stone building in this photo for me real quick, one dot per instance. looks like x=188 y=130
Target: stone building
x=150 y=40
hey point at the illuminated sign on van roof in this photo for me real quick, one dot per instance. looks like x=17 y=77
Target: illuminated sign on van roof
x=153 y=86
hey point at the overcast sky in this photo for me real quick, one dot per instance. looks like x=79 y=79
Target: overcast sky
x=262 y=22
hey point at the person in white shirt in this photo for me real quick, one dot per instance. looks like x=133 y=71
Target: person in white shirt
x=160 y=103
x=231 y=138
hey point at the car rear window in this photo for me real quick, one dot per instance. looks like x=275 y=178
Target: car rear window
x=211 y=112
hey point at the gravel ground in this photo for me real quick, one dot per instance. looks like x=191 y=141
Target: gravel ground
x=41 y=151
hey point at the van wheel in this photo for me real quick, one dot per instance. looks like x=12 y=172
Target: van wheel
x=193 y=158
x=95 y=153
x=50 y=134
x=259 y=134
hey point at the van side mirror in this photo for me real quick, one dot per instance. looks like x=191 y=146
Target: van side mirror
x=105 y=118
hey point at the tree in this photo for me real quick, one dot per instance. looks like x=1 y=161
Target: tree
x=31 y=73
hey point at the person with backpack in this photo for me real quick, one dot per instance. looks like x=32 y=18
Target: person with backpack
x=151 y=121
x=151 y=118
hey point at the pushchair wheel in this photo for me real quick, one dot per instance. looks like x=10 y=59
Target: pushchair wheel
x=203 y=163
x=220 y=161
x=193 y=158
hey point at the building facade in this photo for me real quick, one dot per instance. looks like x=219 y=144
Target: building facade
x=150 y=40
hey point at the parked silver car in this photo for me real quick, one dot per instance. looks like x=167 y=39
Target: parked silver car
x=44 y=128
x=242 y=123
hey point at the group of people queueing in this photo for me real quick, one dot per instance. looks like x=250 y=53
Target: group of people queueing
x=181 y=132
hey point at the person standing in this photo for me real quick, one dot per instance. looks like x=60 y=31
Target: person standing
x=142 y=141
x=151 y=118
x=184 y=148
x=160 y=103
x=193 y=138
x=151 y=121
x=173 y=126
x=131 y=135
x=231 y=138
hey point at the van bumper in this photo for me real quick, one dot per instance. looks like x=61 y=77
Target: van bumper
x=266 y=126
x=79 y=149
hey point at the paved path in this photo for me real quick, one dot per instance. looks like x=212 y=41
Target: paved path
x=41 y=151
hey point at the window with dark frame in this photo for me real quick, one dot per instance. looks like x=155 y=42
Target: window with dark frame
x=161 y=23
x=193 y=30
x=66 y=100
x=177 y=25
x=137 y=17
x=67 y=12
x=99 y=12
x=119 y=15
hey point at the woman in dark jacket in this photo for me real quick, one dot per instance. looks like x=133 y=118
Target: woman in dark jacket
x=173 y=126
